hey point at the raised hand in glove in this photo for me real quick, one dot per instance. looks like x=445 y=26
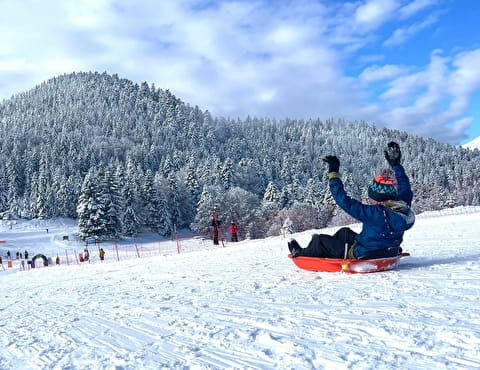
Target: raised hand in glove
x=393 y=154
x=333 y=163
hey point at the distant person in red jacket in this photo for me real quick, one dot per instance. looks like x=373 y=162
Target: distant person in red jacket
x=233 y=231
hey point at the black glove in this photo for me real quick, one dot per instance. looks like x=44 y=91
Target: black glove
x=333 y=163
x=393 y=154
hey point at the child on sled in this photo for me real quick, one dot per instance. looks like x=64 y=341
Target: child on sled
x=383 y=222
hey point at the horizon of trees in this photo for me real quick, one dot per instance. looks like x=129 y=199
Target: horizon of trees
x=124 y=158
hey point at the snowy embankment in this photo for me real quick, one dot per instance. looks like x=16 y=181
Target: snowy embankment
x=248 y=306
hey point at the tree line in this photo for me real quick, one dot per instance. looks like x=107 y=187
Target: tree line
x=124 y=158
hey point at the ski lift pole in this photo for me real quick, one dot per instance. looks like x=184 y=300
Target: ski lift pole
x=221 y=237
x=219 y=231
x=136 y=248
x=176 y=238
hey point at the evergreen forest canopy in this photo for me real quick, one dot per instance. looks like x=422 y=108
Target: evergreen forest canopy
x=123 y=158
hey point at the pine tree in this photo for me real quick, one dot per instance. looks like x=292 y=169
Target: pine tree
x=91 y=221
x=191 y=182
x=226 y=174
x=130 y=221
x=67 y=197
x=165 y=226
x=44 y=197
x=154 y=209
x=270 y=204
x=271 y=193
x=13 y=193
x=3 y=192
x=312 y=194
x=111 y=203
x=149 y=196
x=173 y=201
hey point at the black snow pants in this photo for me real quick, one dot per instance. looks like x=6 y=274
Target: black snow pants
x=331 y=246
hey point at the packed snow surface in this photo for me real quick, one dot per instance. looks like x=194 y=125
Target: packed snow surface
x=245 y=306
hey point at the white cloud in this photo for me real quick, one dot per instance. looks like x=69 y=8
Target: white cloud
x=378 y=73
x=239 y=58
x=375 y=12
x=433 y=102
x=466 y=78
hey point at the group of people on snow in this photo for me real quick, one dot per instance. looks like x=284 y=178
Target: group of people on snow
x=18 y=255
x=233 y=228
x=86 y=255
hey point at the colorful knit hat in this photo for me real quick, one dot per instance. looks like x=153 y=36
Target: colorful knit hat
x=383 y=187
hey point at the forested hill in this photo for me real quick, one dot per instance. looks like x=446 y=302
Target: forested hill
x=124 y=157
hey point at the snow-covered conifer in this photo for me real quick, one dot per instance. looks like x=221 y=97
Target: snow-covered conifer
x=91 y=221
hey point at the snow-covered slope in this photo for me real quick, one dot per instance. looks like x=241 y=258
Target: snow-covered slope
x=248 y=306
x=474 y=144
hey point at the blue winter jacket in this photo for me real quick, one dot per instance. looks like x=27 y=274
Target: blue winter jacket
x=383 y=224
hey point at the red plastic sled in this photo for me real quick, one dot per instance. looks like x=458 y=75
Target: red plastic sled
x=347 y=265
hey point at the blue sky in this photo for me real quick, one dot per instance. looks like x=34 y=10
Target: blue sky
x=405 y=64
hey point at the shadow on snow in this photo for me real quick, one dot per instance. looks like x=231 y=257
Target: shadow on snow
x=416 y=262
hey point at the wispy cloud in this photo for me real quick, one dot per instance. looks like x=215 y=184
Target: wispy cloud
x=298 y=58
x=400 y=35
x=411 y=8
x=379 y=73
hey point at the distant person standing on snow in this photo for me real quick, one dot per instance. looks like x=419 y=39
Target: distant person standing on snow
x=287 y=227
x=233 y=231
x=216 y=227
x=86 y=254
x=384 y=220
x=101 y=254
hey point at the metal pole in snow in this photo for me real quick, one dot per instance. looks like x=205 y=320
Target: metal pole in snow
x=176 y=238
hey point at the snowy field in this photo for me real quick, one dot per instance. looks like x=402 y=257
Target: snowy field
x=245 y=306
